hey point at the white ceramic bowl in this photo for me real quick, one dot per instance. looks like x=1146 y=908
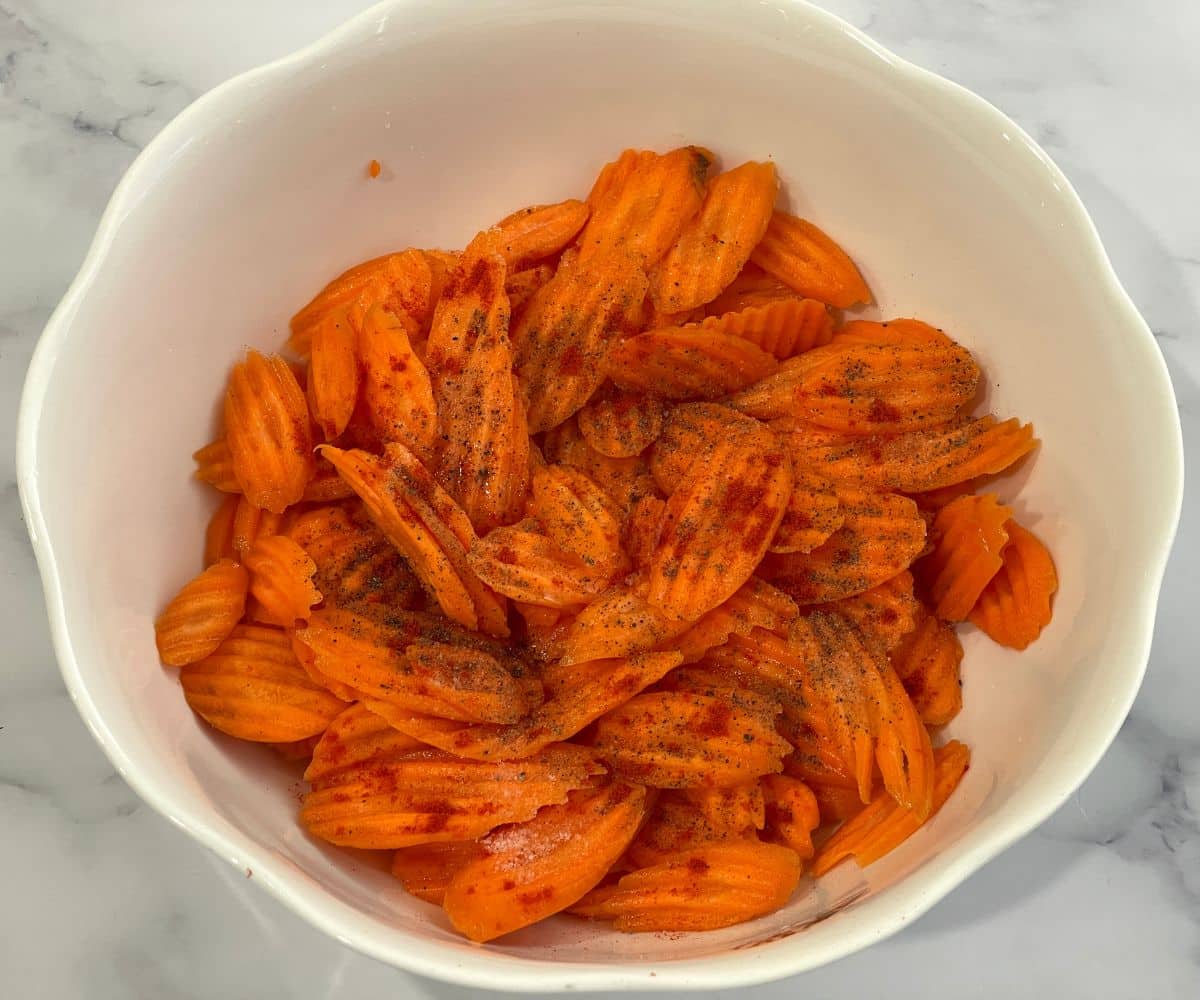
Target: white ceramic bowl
x=256 y=195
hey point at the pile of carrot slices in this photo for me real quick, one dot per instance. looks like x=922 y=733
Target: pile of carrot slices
x=604 y=566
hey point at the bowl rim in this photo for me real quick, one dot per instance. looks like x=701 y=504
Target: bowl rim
x=911 y=897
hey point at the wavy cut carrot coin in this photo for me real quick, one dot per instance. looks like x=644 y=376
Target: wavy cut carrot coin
x=884 y=825
x=578 y=516
x=625 y=480
x=806 y=259
x=528 y=566
x=927 y=662
x=641 y=202
x=268 y=433
x=751 y=288
x=913 y=462
x=621 y=425
x=426 y=870
x=540 y=867
x=690 y=431
x=218 y=536
x=202 y=614
x=1015 y=605
x=642 y=528
x=355 y=563
x=782 y=327
x=688 y=363
x=539 y=231
x=427 y=796
x=384 y=664
x=521 y=286
x=281 y=580
x=356 y=737
x=711 y=886
x=689 y=818
x=333 y=373
x=428 y=528
x=616 y=623
x=755 y=605
x=813 y=513
x=715 y=245
x=672 y=740
x=791 y=813
x=563 y=338
x=252 y=687
x=880 y=537
x=968 y=536
x=718 y=524
x=396 y=387
x=214 y=465
x=883 y=615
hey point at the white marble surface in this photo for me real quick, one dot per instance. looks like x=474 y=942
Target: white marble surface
x=101 y=898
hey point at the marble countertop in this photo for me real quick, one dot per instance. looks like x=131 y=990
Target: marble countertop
x=102 y=898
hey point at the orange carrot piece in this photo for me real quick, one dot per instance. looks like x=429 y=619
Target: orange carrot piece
x=202 y=614
x=1015 y=605
x=253 y=688
x=914 y=462
x=625 y=480
x=880 y=537
x=333 y=373
x=884 y=825
x=616 y=623
x=563 y=337
x=386 y=663
x=214 y=465
x=755 y=605
x=642 y=201
x=718 y=524
x=675 y=739
x=791 y=813
x=690 y=431
x=688 y=818
x=642 y=527
x=805 y=258
x=267 y=430
x=716 y=243
x=577 y=515
x=927 y=662
x=539 y=231
x=752 y=288
x=218 y=536
x=521 y=286
x=782 y=327
x=711 y=886
x=621 y=425
x=540 y=867
x=884 y=615
x=281 y=580
x=355 y=563
x=688 y=363
x=396 y=388
x=428 y=528
x=813 y=513
x=356 y=738
x=526 y=565
x=426 y=870
x=425 y=796
x=968 y=536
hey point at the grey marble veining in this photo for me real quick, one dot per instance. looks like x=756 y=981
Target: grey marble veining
x=101 y=898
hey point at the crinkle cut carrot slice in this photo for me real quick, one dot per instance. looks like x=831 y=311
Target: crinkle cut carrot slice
x=1015 y=605
x=253 y=688
x=783 y=327
x=281 y=580
x=884 y=615
x=813 y=513
x=333 y=373
x=218 y=536
x=688 y=363
x=686 y=818
x=672 y=740
x=927 y=662
x=692 y=430
x=884 y=825
x=805 y=258
x=913 y=462
x=542 y=866
x=717 y=242
x=968 y=536
x=426 y=870
x=564 y=335
x=356 y=737
x=202 y=614
x=214 y=465
x=396 y=387
x=620 y=424
x=521 y=286
x=751 y=288
x=711 y=886
x=791 y=813
x=642 y=201
x=526 y=565
x=532 y=234
x=426 y=796
x=268 y=433
x=718 y=524
x=615 y=623
x=578 y=516
x=880 y=537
